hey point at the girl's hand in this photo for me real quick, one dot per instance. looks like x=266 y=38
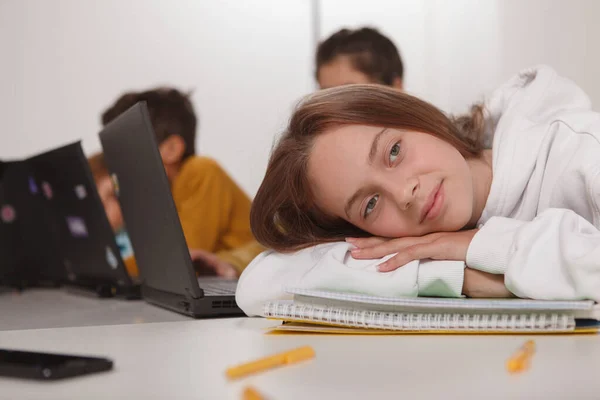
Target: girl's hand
x=436 y=246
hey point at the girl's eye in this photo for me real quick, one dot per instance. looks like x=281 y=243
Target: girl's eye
x=371 y=205
x=394 y=152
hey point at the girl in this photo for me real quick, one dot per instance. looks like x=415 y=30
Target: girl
x=390 y=174
x=362 y=55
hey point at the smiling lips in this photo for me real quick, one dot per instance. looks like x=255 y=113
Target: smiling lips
x=433 y=204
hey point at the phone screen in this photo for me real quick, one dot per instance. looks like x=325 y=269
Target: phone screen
x=47 y=366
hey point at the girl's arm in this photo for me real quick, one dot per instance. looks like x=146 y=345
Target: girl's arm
x=555 y=257
x=482 y=284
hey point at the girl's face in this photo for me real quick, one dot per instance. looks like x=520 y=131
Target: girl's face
x=391 y=183
x=339 y=72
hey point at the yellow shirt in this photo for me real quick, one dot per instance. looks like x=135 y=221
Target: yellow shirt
x=214 y=213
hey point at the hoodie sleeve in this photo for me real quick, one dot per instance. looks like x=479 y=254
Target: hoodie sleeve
x=554 y=257
x=331 y=267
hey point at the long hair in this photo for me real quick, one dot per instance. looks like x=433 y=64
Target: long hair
x=284 y=215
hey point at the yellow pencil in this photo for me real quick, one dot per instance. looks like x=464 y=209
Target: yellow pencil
x=521 y=359
x=251 y=394
x=277 y=360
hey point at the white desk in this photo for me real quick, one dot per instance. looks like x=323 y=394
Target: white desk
x=186 y=360
x=56 y=308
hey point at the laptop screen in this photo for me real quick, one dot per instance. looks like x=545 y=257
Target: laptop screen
x=12 y=253
x=143 y=190
x=29 y=228
x=64 y=181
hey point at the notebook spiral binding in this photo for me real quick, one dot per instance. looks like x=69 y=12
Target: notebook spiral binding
x=499 y=322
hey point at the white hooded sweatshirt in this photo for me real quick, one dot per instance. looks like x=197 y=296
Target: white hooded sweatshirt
x=540 y=226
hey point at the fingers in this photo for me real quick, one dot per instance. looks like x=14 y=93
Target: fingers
x=416 y=252
x=378 y=251
x=437 y=246
x=199 y=254
x=226 y=270
x=435 y=250
x=195 y=254
x=214 y=263
x=389 y=247
x=367 y=242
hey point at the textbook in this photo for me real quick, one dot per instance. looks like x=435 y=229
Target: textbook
x=337 y=312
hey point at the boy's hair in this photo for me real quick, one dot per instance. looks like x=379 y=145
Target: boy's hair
x=284 y=215
x=171 y=113
x=369 y=51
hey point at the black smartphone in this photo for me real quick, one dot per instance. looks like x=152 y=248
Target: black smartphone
x=46 y=366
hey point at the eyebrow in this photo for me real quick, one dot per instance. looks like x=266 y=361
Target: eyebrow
x=375 y=146
x=371 y=159
x=351 y=201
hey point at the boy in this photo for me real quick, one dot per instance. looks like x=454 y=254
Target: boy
x=213 y=210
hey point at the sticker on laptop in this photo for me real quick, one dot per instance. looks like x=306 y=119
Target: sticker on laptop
x=77 y=227
x=47 y=189
x=8 y=214
x=111 y=259
x=80 y=192
x=33 y=189
x=124 y=244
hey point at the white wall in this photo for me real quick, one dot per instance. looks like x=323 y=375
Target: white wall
x=561 y=33
x=64 y=61
x=456 y=51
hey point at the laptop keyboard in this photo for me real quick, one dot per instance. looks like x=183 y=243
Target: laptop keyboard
x=214 y=286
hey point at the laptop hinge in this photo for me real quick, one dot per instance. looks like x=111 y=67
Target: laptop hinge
x=190 y=294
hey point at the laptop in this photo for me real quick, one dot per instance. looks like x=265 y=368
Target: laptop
x=90 y=256
x=168 y=277
x=29 y=255
x=9 y=238
x=54 y=229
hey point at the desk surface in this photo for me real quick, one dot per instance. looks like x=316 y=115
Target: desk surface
x=187 y=360
x=57 y=308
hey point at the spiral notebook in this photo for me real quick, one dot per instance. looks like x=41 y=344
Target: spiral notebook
x=335 y=312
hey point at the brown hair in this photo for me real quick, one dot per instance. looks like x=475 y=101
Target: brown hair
x=369 y=51
x=284 y=215
x=171 y=113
